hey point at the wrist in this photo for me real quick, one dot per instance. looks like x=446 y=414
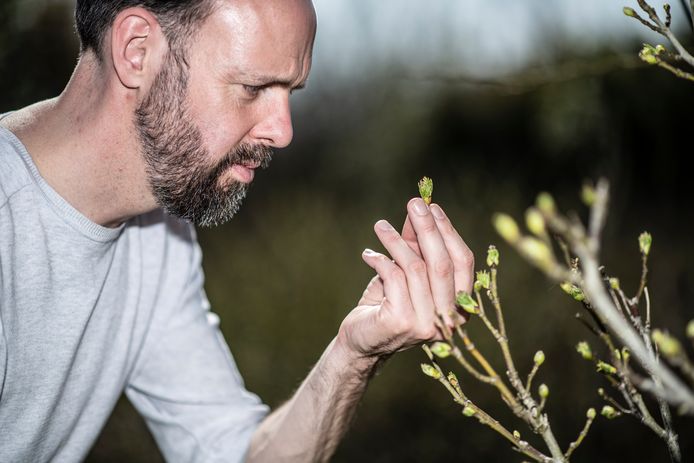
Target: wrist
x=350 y=361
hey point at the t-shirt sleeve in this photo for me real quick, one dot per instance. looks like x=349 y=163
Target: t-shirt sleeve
x=187 y=386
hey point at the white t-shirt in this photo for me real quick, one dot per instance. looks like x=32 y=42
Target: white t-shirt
x=87 y=312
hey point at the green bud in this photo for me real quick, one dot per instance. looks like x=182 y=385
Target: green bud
x=667 y=344
x=609 y=412
x=647 y=55
x=583 y=348
x=429 y=370
x=543 y=391
x=629 y=11
x=506 y=227
x=426 y=189
x=483 y=279
x=645 y=241
x=588 y=194
x=537 y=251
x=617 y=354
x=625 y=354
x=614 y=283
x=468 y=411
x=441 y=349
x=516 y=434
x=573 y=291
x=648 y=59
x=590 y=414
x=659 y=49
x=545 y=203
x=539 y=358
x=535 y=222
x=492 y=256
x=604 y=367
x=690 y=329
x=466 y=301
x=453 y=379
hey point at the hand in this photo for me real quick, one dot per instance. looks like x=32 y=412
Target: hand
x=430 y=263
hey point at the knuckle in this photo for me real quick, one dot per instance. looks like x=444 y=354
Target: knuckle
x=467 y=257
x=417 y=267
x=443 y=268
x=429 y=226
x=395 y=273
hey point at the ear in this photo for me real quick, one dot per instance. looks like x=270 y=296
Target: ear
x=137 y=47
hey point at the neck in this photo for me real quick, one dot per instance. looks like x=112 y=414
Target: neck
x=85 y=146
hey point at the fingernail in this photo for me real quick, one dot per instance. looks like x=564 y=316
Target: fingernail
x=437 y=212
x=384 y=225
x=419 y=207
x=369 y=252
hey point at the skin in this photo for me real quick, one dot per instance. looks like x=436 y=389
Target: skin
x=245 y=61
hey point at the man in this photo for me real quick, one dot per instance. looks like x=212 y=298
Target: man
x=171 y=108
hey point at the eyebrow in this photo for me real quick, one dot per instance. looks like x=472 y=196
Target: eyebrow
x=267 y=81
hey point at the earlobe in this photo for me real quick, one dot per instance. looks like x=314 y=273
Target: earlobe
x=135 y=38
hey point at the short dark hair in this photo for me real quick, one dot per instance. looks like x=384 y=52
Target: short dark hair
x=177 y=18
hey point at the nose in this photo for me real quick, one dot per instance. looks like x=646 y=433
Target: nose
x=275 y=127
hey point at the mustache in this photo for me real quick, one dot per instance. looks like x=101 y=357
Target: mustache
x=248 y=154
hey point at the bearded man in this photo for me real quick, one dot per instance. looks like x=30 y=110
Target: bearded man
x=171 y=109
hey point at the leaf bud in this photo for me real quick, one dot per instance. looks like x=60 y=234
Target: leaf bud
x=453 y=379
x=590 y=414
x=483 y=280
x=690 y=329
x=659 y=49
x=430 y=371
x=466 y=301
x=625 y=354
x=506 y=227
x=667 y=344
x=468 y=411
x=441 y=349
x=516 y=434
x=583 y=348
x=609 y=412
x=543 y=391
x=588 y=194
x=573 y=291
x=645 y=240
x=606 y=368
x=545 y=203
x=426 y=189
x=629 y=11
x=535 y=222
x=614 y=283
x=537 y=251
x=492 y=256
x=539 y=358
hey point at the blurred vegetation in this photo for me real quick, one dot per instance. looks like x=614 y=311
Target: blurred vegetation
x=287 y=269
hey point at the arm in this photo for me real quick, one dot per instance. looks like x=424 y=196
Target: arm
x=429 y=263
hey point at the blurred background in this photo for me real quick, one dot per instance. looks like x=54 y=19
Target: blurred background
x=495 y=101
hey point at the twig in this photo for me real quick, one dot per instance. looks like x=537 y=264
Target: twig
x=590 y=416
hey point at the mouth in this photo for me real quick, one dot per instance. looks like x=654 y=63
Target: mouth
x=244 y=173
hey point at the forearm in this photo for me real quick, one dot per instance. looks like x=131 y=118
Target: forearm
x=310 y=425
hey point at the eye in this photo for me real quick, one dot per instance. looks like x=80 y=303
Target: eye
x=252 y=90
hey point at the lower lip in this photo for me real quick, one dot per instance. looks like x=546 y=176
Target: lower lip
x=242 y=174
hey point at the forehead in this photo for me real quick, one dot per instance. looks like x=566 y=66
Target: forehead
x=263 y=36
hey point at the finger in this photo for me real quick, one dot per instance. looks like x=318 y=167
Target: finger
x=410 y=237
x=439 y=264
x=414 y=267
x=373 y=294
x=459 y=252
x=394 y=281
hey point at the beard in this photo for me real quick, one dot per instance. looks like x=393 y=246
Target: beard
x=179 y=173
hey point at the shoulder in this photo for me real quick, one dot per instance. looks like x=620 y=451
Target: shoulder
x=13 y=173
